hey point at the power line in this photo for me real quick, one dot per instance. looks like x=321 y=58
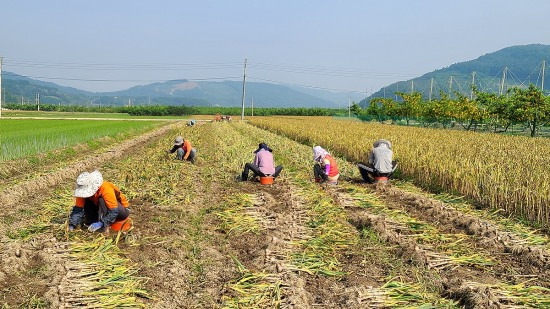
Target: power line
x=115 y=66
x=302 y=85
x=121 y=80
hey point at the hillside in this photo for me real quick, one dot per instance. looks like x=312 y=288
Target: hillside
x=227 y=93
x=523 y=65
x=176 y=92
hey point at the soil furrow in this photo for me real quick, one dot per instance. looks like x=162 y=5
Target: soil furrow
x=474 y=287
x=491 y=235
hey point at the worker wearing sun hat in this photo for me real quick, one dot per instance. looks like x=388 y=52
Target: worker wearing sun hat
x=183 y=149
x=380 y=163
x=98 y=202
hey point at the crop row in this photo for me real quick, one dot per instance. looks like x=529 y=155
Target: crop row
x=500 y=172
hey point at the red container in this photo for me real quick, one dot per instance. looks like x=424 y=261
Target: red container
x=124 y=225
x=268 y=180
x=381 y=179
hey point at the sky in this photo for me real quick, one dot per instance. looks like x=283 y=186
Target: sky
x=358 y=46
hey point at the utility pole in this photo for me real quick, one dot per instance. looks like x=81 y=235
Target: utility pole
x=384 y=92
x=431 y=89
x=252 y=106
x=349 y=107
x=149 y=100
x=244 y=90
x=543 y=65
x=1 y=58
x=501 y=92
x=472 y=86
x=396 y=92
x=450 y=85
x=21 y=97
x=412 y=86
x=38 y=101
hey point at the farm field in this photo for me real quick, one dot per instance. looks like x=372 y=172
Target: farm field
x=23 y=138
x=505 y=173
x=91 y=115
x=204 y=239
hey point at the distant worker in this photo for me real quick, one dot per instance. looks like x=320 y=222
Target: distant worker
x=98 y=203
x=325 y=168
x=183 y=149
x=191 y=123
x=263 y=165
x=380 y=164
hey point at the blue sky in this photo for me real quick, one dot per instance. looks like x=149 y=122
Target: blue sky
x=348 y=45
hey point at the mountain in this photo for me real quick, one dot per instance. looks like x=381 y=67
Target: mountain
x=520 y=65
x=175 y=92
x=19 y=88
x=227 y=93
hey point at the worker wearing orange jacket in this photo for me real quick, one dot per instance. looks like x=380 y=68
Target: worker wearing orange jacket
x=325 y=168
x=184 y=149
x=98 y=202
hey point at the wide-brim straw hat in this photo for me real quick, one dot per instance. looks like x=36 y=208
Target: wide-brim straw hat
x=178 y=141
x=382 y=141
x=87 y=184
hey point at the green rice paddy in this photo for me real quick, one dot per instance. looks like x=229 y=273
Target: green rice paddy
x=26 y=137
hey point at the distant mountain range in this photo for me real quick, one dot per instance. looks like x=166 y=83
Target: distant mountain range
x=492 y=72
x=176 y=92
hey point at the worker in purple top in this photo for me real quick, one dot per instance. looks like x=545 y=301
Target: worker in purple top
x=263 y=164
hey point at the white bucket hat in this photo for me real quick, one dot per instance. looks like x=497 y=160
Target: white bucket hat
x=178 y=141
x=87 y=184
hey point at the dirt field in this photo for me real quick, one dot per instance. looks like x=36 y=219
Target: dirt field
x=203 y=239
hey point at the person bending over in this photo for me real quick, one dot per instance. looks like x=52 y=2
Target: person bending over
x=183 y=149
x=325 y=168
x=98 y=203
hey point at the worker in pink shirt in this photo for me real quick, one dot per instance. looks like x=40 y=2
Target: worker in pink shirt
x=263 y=164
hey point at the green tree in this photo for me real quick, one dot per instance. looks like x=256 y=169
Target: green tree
x=440 y=110
x=386 y=107
x=410 y=106
x=355 y=109
x=467 y=112
x=531 y=106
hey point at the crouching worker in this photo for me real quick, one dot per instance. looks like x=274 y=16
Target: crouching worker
x=263 y=165
x=183 y=149
x=380 y=165
x=325 y=168
x=98 y=203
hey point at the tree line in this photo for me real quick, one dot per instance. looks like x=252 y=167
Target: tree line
x=170 y=110
x=527 y=106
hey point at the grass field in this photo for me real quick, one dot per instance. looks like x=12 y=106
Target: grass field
x=29 y=137
x=14 y=113
x=204 y=239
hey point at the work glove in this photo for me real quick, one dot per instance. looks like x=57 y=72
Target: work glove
x=71 y=228
x=95 y=226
